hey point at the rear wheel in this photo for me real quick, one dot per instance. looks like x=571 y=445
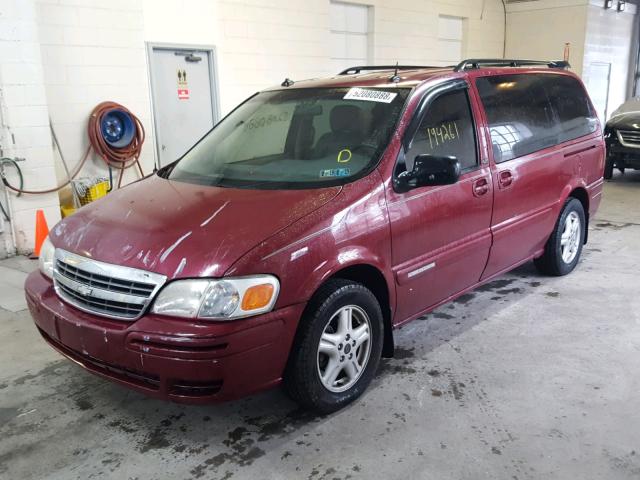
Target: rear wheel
x=337 y=349
x=563 y=249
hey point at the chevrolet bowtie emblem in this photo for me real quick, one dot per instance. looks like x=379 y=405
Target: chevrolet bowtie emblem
x=84 y=290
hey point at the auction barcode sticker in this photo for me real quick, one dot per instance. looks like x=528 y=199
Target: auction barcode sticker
x=370 y=95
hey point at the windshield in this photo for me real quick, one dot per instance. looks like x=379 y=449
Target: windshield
x=298 y=138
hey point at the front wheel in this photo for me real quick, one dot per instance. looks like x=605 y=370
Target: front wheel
x=338 y=347
x=562 y=250
x=608 y=168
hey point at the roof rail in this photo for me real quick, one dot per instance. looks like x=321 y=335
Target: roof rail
x=473 y=63
x=371 y=68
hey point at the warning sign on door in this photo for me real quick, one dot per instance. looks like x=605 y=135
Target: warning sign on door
x=183 y=86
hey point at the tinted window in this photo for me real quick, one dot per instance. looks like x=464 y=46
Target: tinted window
x=519 y=114
x=446 y=130
x=527 y=113
x=575 y=114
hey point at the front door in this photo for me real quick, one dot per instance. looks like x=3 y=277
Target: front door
x=441 y=234
x=184 y=107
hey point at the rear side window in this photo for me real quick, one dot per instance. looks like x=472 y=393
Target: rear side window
x=527 y=113
x=446 y=129
x=575 y=115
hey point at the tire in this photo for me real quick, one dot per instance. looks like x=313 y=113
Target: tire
x=562 y=250
x=608 y=168
x=337 y=304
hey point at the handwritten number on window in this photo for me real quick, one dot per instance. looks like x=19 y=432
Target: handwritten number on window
x=442 y=134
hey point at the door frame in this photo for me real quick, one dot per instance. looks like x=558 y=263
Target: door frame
x=406 y=270
x=210 y=50
x=606 y=100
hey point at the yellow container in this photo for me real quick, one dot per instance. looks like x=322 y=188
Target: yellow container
x=95 y=192
x=66 y=211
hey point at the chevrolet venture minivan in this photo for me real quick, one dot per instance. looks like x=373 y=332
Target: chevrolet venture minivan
x=286 y=245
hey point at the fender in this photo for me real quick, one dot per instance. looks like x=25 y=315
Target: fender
x=352 y=229
x=578 y=185
x=347 y=257
x=566 y=192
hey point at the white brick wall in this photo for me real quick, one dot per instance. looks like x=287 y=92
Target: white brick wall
x=539 y=30
x=24 y=122
x=92 y=52
x=260 y=42
x=59 y=59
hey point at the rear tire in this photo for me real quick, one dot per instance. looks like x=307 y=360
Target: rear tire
x=562 y=250
x=337 y=348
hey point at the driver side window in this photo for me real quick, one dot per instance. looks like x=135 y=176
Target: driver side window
x=447 y=129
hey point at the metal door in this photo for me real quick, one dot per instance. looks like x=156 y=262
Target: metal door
x=183 y=87
x=598 y=87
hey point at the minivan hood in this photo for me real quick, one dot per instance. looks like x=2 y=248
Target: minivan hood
x=180 y=229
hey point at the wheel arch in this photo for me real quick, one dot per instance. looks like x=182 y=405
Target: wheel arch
x=372 y=278
x=581 y=194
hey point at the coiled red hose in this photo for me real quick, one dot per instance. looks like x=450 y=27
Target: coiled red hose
x=118 y=158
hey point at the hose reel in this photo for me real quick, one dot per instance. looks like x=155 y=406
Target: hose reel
x=115 y=134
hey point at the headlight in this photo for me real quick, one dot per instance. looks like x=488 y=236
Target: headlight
x=45 y=260
x=224 y=299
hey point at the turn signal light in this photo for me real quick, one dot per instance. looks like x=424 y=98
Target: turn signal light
x=257 y=296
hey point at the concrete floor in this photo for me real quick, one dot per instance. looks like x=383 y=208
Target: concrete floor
x=526 y=378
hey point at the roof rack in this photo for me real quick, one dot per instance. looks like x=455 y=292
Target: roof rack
x=372 y=68
x=473 y=63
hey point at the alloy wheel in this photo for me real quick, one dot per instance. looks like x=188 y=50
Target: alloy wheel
x=571 y=237
x=344 y=348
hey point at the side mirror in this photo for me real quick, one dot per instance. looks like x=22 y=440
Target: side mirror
x=429 y=170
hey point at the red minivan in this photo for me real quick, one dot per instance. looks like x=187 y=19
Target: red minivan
x=287 y=244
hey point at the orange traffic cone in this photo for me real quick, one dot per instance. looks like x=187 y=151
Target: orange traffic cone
x=42 y=230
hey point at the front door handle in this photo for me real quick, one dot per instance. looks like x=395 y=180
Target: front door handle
x=505 y=178
x=480 y=187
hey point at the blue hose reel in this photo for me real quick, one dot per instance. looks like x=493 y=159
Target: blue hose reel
x=118 y=128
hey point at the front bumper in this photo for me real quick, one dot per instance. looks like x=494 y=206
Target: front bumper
x=623 y=157
x=174 y=359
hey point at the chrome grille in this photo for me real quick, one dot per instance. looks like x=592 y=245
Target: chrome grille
x=102 y=288
x=104 y=282
x=629 y=138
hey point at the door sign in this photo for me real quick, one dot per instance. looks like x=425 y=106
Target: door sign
x=183 y=86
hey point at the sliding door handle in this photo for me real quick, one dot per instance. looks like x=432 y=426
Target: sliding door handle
x=505 y=178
